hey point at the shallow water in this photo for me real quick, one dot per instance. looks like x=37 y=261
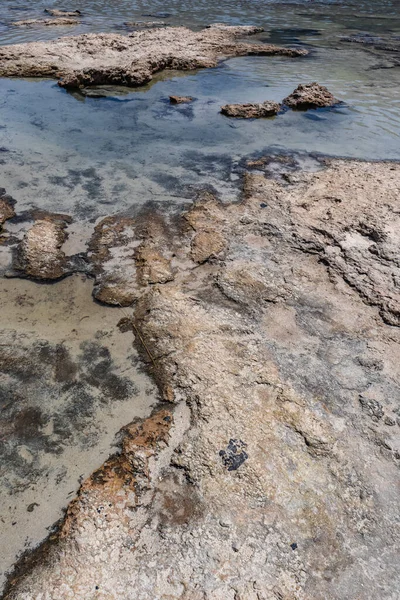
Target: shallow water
x=91 y=157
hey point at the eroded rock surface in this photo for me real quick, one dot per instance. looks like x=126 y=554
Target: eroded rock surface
x=251 y=110
x=108 y=58
x=310 y=95
x=275 y=471
x=39 y=254
x=111 y=253
x=180 y=99
x=6 y=207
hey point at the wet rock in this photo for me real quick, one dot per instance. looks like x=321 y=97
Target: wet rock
x=310 y=95
x=131 y=60
x=62 y=13
x=158 y=15
x=145 y=24
x=180 y=99
x=112 y=256
x=6 y=207
x=251 y=110
x=39 y=254
x=62 y=21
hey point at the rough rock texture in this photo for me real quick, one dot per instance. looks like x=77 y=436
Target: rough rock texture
x=6 y=207
x=46 y=22
x=123 y=262
x=145 y=24
x=100 y=58
x=111 y=253
x=251 y=110
x=54 y=12
x=39 y=254
x=180 y=99
x=310 y=95
x=283 y=481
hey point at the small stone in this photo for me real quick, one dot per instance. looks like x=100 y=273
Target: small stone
x=180 y=99
x=251 y=110
x=389 y=421
x=310 y=95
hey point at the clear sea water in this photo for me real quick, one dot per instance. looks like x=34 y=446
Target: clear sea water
x=95 y=156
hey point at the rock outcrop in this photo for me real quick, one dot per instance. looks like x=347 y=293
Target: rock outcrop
x=180 y=99
x=132 y=60
x=252 y=110
x=310 y=95
x=274 y=471
x=6 y=207
x=39 y=254
x=62 y=21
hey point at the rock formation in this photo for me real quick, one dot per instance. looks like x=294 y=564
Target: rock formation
x=39 y=254
x=251 y=110
x=274 y=471
x=180 y=99
x=310 y=95
x=62 y=13
x=132 y=60
x=46 y=22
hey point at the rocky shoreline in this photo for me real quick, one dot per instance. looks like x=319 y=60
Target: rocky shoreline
x=271 y=327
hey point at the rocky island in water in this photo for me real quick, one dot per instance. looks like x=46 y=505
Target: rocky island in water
x=200 y=291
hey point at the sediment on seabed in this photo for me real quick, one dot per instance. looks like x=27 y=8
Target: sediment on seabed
x=272 y=329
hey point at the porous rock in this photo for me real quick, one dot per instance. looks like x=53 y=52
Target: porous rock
x=275 y=472
x=180 y=99
x=132 y=60
x=54 y=12
x=46 y=22
x=252 y=110
x=310 y=95
x=39 y=254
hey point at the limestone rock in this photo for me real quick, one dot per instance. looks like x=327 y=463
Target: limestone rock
x=62 y=13
x=275 y=472
x=310 y=95
x=180 y=99
x=206 y=245
x=6 y=207
x=132 y=60
x=251 y=110
x=112 y=255
x=39 y=254
x=60 y=22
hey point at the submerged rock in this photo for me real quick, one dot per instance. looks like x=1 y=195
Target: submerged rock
x=54 y=12
x=46 y=22
x=251 y=110
x=180 y=99
x=39 y=254
x=310 y=95
x=145 y=24
x=132 y=60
